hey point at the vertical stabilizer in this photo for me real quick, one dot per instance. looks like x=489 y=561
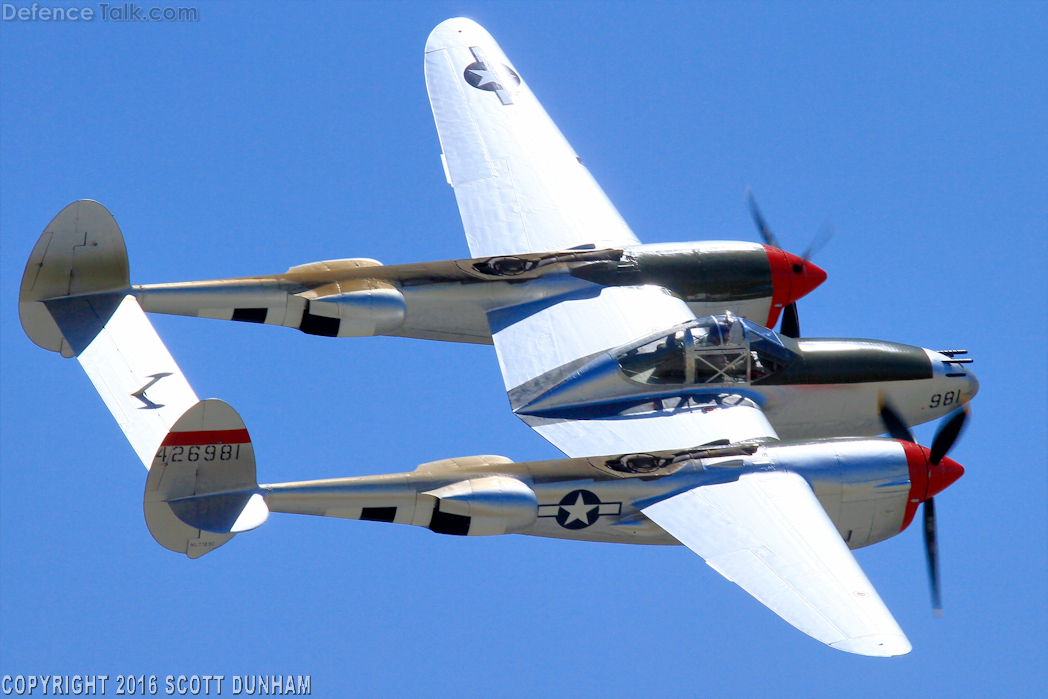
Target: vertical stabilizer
x=202 y=488
x=75 y=300
x=81 y=252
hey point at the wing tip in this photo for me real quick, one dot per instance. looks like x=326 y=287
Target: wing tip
x=457 y=31
x=878 y=645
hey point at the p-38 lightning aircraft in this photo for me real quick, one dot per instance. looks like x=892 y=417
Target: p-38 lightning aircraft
x=712 y=431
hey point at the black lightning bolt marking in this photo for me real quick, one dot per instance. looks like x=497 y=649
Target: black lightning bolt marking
x=140 y=394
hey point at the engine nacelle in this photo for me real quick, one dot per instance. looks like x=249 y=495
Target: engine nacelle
x=374 y=310
x=863 y=484
x=483 y=506
x=751 y=280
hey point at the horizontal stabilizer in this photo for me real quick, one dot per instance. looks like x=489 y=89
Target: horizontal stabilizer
x=202 y=487
x=136 y=376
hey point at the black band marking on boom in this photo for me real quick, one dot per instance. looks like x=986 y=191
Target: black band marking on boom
x=447 y=523
x=379 y=514
x=250 y=315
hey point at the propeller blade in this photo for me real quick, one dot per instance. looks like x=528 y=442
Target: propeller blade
x=947 y=435
x=762 y=225
x=791 y=323
x=821 y=238
x=931 y=547
x=894 y=424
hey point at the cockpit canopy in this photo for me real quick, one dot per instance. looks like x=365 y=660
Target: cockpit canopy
x=713 y=350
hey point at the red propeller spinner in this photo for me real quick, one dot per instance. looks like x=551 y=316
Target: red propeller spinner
x=926 y=479
x=931 y=472
x=792 y=278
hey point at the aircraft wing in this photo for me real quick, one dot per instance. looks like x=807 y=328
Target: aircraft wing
x=520 y=187
x=768 y=533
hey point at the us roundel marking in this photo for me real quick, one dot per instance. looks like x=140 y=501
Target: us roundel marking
x=482 y=76
x=578 y=509
x=478 y=75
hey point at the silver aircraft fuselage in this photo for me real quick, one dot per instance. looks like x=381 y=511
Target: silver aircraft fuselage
x=808 y=388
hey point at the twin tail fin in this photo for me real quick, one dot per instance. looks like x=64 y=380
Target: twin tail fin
x=75 y=299
x=202 y=487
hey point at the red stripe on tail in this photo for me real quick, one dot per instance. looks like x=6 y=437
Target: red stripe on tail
x=183 y=439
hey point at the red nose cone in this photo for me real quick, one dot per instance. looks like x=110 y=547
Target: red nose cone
x=791 y=278
x=943 y=475
x=805 y=278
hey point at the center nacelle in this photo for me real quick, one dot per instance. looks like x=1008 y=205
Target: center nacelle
x=821 y=387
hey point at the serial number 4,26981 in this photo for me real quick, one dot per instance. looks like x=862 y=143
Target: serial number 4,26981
x=208 y=452
x=944 y=399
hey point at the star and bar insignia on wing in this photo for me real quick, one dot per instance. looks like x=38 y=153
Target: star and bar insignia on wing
x=492 y=77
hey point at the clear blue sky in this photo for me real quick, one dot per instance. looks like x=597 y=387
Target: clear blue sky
x=267 y=135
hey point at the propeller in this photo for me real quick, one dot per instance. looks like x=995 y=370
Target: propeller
x=762 y=226
x=931 y=550
x=826 y=232
x=791 y=324
x=894 y=424
x=947 y=434
x=945 y=437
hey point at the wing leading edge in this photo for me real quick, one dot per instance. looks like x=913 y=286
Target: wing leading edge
x=768 y=533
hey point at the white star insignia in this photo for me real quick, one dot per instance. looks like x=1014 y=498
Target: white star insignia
x=486 y=76
x=579 y=511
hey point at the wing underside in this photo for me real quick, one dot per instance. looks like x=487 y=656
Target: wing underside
x=768 y=533
x=520 y=186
